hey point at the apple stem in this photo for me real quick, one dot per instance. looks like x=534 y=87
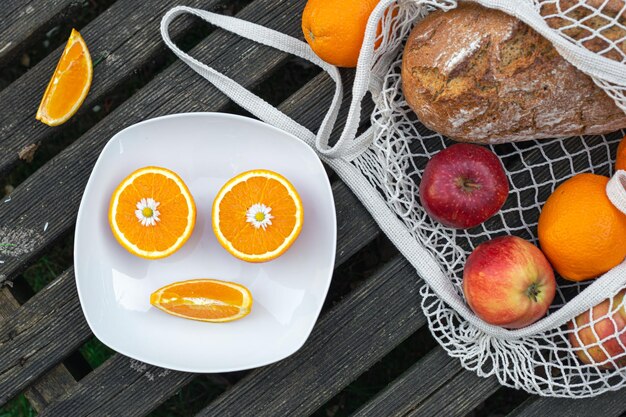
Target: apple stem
x=533 y=291
x=468 y=184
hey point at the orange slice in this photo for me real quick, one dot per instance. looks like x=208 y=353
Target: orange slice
x=152 y=213
x=204 y=299
x=257 y=215
x=69 y=84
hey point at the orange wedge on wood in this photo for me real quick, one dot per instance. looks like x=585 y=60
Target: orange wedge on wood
x=208 y=300
x=257 y=215
x=69 y=84
x=152 y=213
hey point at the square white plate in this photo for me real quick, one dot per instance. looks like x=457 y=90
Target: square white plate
x=205 y=149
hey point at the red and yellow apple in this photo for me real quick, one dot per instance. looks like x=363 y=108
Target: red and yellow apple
x=599 y=334
x=508 y=282
x=463 y=186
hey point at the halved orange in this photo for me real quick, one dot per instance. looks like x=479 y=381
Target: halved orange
x=152 y=213
x=204 y=299
x=257 y=215
x=69 y=84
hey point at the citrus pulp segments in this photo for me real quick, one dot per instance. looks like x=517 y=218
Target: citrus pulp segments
x=264 y=257
x=191 y=217
x=55 y=82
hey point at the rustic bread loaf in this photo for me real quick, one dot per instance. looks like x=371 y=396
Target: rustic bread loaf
x=479 y=75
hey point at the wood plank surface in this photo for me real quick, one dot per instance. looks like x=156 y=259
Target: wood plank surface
x=122 y=40
x=119 y=387
x=21 y=20
x=55 y=382
x=611 y=404
x=437 y=385
x=410 y=389
x=59 y=184
x=40 y=334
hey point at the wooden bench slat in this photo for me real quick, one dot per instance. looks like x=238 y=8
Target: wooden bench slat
x=413 y=387
x=611 y=404
x=458 y=396
x=21 y=20
x=59 y=184
x=121 y=41
x=40 y=334
x=119 y=387
x=435 y=385
x=53 y=384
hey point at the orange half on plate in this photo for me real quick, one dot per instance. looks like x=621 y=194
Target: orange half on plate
x=152 y=213
x=257 y=215
x=69 y=84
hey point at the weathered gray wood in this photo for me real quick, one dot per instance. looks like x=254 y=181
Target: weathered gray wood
x=39 y=335
x=8 y=303
x=122 y=40
x=119 y=387
x=437 y=385
x=20 y=21
x=611 y=404
x=458 y=396
x=56 y=188
x=53 y=384
x=413 y=387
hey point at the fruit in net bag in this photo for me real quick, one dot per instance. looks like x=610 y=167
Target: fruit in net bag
x=463 y=186
x=581 y=232
x=335 y=29
x=508 y=282
x=599 y=334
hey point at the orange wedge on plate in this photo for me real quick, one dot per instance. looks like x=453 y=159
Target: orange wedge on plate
x=204 y=300
x=69 y=84
x=152 y=213
x=257 y=215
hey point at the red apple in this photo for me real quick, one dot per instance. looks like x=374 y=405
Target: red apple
x=608 y=342
x=463 y=186
x=508 y=282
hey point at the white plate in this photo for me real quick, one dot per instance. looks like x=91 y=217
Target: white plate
x=205 y=149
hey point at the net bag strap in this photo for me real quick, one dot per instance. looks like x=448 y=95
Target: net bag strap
x=344 y=147
x=616 y=190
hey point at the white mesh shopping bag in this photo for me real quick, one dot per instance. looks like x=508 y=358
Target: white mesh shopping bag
x=383 y=167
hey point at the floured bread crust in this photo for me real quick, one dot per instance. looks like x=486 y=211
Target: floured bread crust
x=479 y=75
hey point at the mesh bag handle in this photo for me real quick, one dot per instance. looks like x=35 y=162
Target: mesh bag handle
x=616 y=190
x=345 y=147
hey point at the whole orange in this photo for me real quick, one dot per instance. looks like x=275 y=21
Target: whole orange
x=580 y=231
x=620 y=163
x=335 y=28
